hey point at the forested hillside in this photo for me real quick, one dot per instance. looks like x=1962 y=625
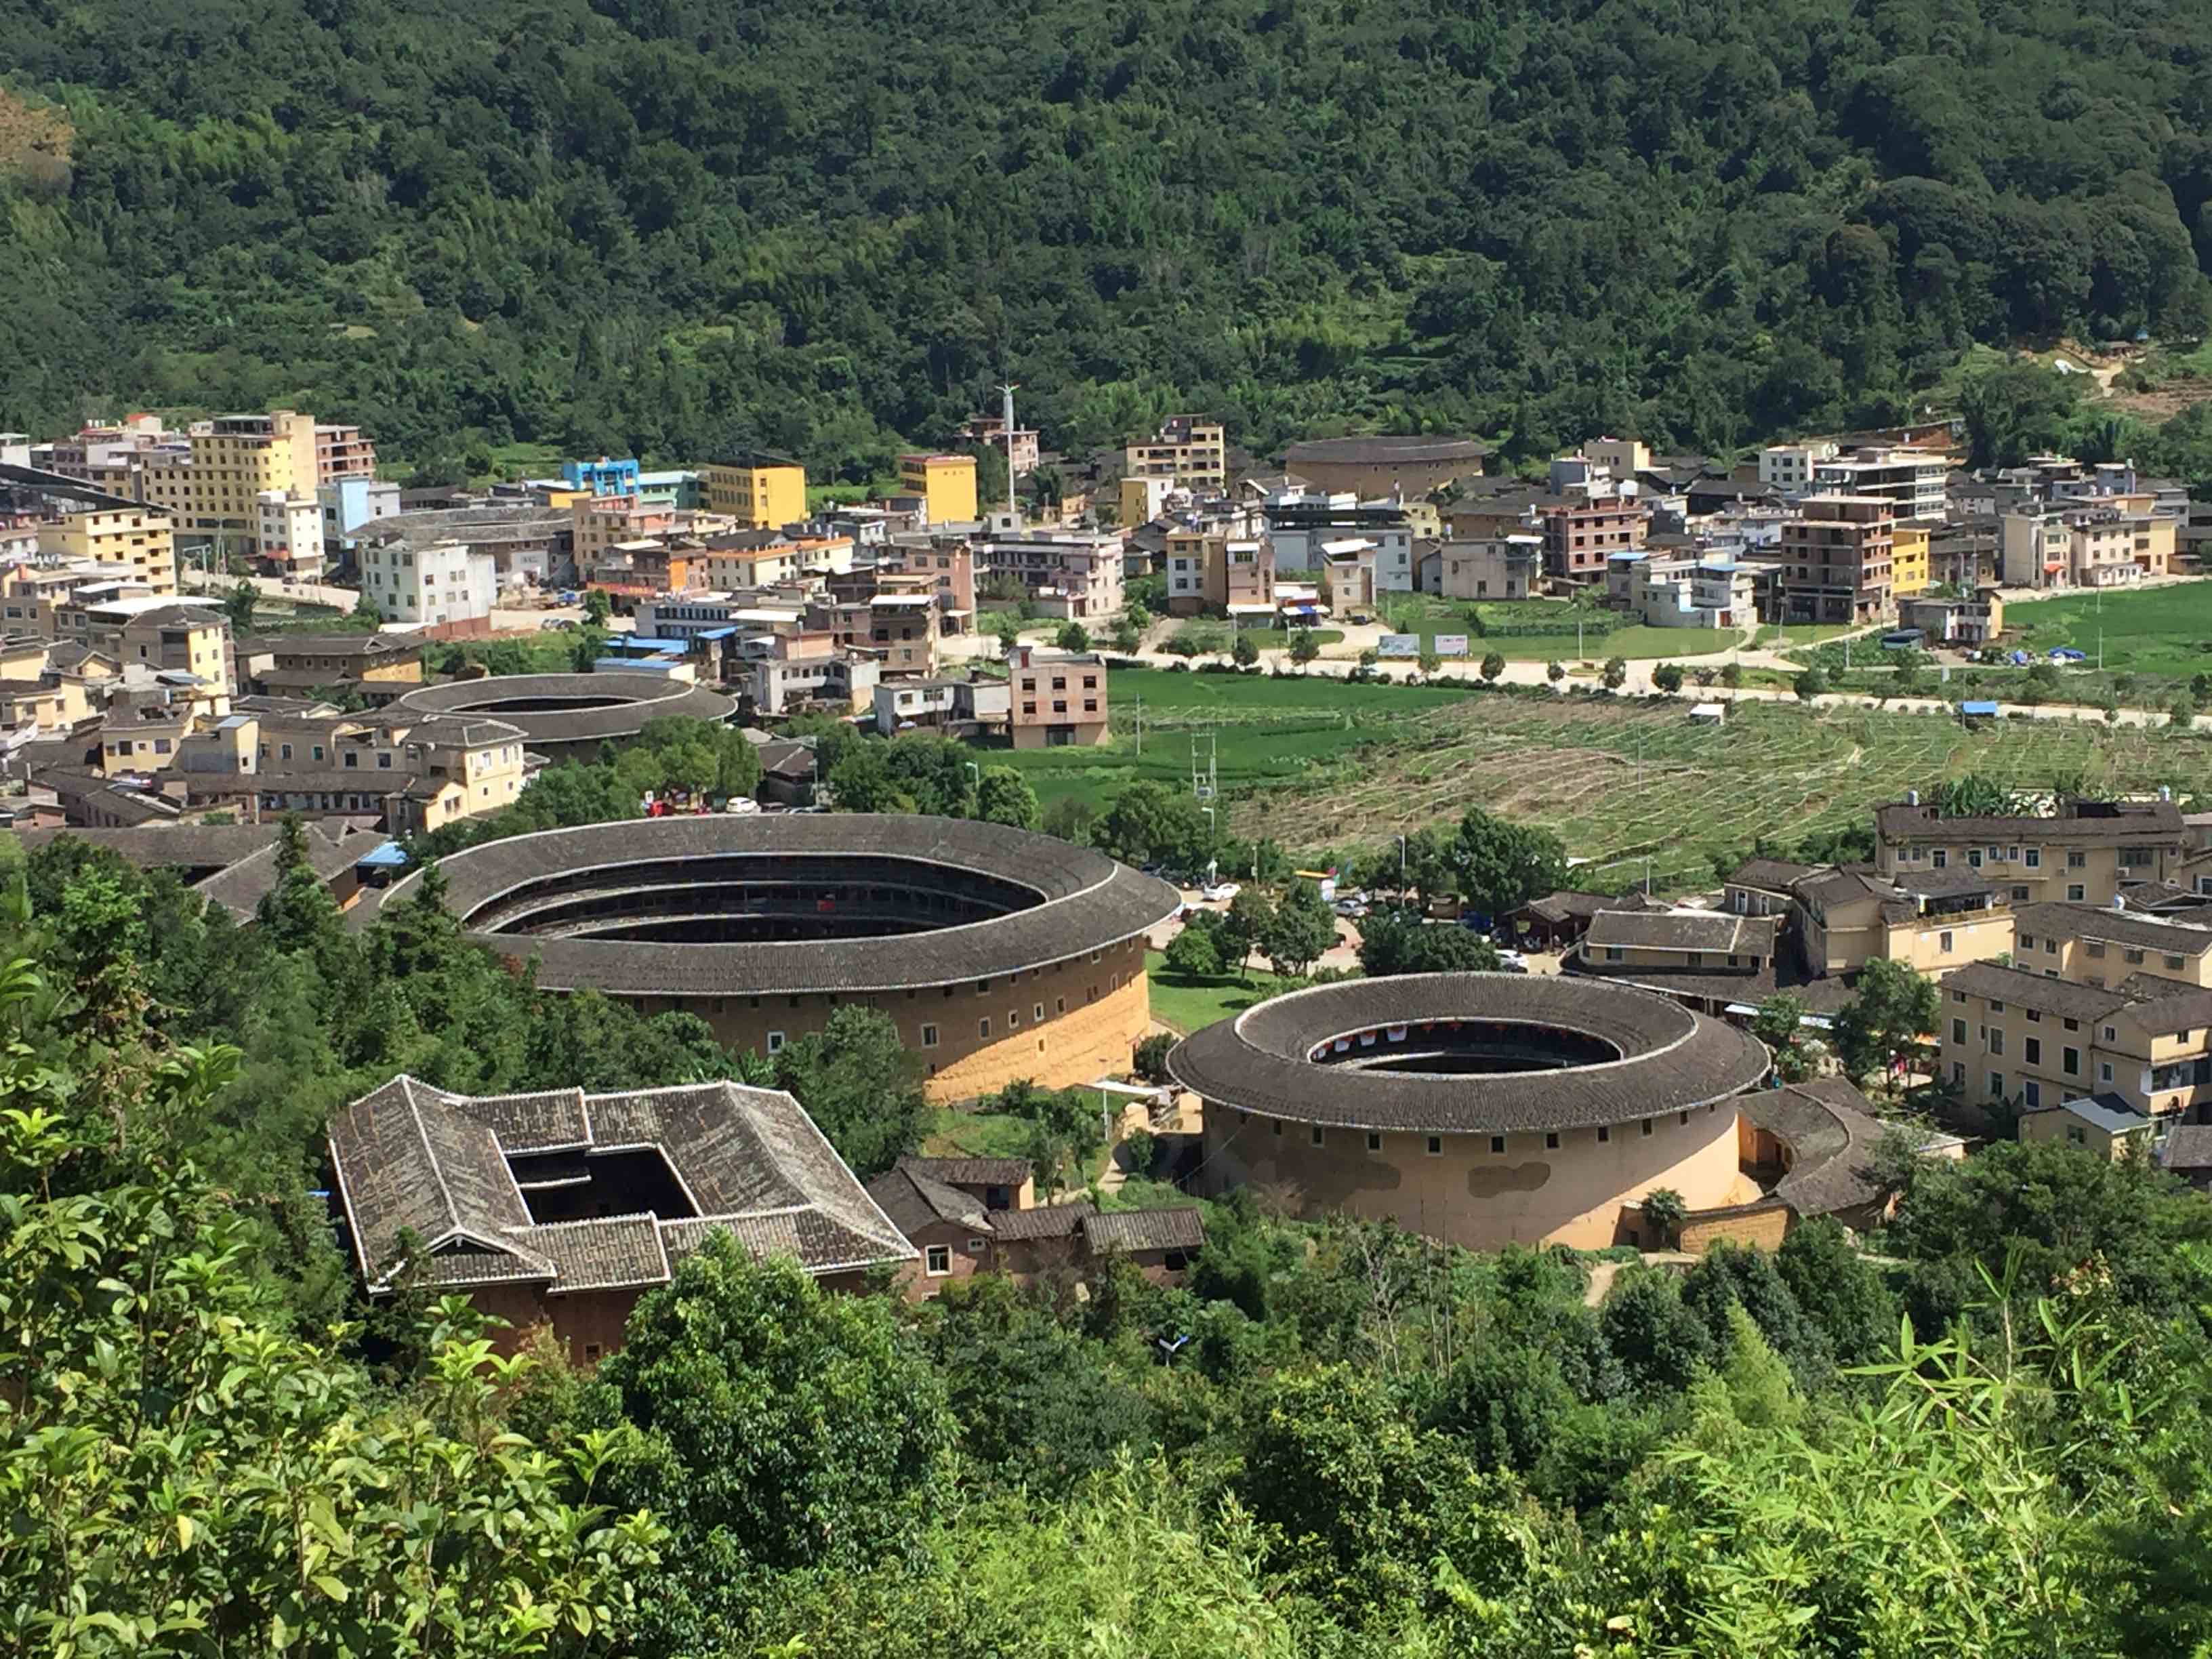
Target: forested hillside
x=665 y=225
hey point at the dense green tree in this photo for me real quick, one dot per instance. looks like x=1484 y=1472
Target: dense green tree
x=1500 y=866
x=1194 y=953
x=783 y=1426
x=1301 y=928
x=1892 y=1011
x=1004 y=796
x=860 y=1084
x=1393 y=942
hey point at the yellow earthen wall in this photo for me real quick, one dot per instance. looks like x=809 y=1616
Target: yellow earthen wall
x=1081 y=1035
x=1469 y=1195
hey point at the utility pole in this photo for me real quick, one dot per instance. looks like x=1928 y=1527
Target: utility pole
x=1140 y=725
x=1006 y=393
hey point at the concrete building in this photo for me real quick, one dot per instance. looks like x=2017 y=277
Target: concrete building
x=1974 y=622
x=1505 y=567
x=1074 y=575
x=1223 y=575
x=350 y=506
x=959 y=708
x=1789 y=467
x=130 y=537
x=342 y=453
x=949 y=565
x=2103 y=546
x=1909 y=560
x=1835 y=561
x=447 y=584
x=945 y=484
x=1374 y=467
x=1190 y=453
x=1912 y=481
x=760 y=492
x=842 y=681
x=1302 y=529
x=288 y=536
x=1022 y=450
x=377 y=668
x=212 y=487
x=1058 y=701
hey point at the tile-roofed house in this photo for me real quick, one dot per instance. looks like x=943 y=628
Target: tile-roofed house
x=1775 y=876
x=562 y=1207
x=2106 y=1124
x=2027 y=990
x=2187 y=1152
x=1711 y=931
x=1822 y=1133
x=1176 y=1228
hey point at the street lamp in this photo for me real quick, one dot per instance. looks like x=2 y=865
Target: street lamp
x=1401 y=866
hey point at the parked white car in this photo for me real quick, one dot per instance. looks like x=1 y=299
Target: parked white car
x=1220 y=893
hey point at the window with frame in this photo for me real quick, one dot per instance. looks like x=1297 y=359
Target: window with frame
x=1436 y=1146
x=929 y=1036
x=936 y=1260
x=775 y=1042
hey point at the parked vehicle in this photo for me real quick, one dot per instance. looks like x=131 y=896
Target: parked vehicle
x=1220 y=892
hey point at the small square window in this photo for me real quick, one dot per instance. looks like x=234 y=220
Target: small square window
x=1647 y=1127
x=929 y=1036
x=1551 y=1140
x=775 y=1042
x=1497 y=1143
x=1317 y=1134
x=1275 y=1127
x=939 y=1259
x=1604 y=1134
x=1373 y=1142
x=983 y=1027
x=1436 y=1146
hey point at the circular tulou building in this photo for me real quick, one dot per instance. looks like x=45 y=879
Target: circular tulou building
x=567 y=716
x=1484 y=1109
x=1001 y=955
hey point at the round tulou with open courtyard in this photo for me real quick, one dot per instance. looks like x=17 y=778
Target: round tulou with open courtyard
x=568 y=716
x=1001 y=955
x=1486 y=1109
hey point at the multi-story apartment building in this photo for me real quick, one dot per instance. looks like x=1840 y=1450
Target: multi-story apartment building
x=2141 y=1047
x=1789 y=467
x=898 y=629
x=1300 y=529
x=2106 y=546
x=1835 y=561
x=1190 y=449
x=948 y=562
x=1908 y=559
x=945 y=485
x=1977 y=620
x=1581 y=533
x=600 y=522
x=341 y=452
x=352 y=507
x=152 y=631
x=1074 y=574
x=288 y=536
x=131 y=538
x=2096 y=944
x=1227 y=575
x=2084 y=854
x=808 y=672
x=1020 y=447
x=1058 y=701
x=1912 y=481
x=736 y=559
x=760 y=492
x=445 y=585
x=213 y=487
x=1497 y=568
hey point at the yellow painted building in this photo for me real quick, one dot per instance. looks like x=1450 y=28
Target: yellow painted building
x=217 y=487
x=1908 y=559
x=760 y=492
x=135 y=537
x=946 y=484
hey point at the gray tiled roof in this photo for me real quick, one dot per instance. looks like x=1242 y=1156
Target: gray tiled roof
x=1671 y=1058
x=2188 y=1146
x=1086 y=901
x=1180 y=1228
x=1769 y=875
x=1710 y=930
x=2124 y=927
x=2049 y=996
x=636 y=698
x=1045 y=1221
x=411 y=1156
x=1831 y=1132
x=2129 y=821
x=972 y=1171
x=914 y=1200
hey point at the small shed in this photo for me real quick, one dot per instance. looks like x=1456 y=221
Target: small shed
x=1709 y=713
x=1979 y=713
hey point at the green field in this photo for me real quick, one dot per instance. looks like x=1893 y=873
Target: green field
x=1190 y=1004
x=2155 y=630
x=1265 y=732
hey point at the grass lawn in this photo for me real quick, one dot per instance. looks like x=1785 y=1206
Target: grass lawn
x=1279 y=639
x=1784 y=637
x=1191 y=1004
x=954 y=1134
x=2154 y=630
x=1428 y=616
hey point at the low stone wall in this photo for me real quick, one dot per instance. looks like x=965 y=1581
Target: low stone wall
x=1763 y=1223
